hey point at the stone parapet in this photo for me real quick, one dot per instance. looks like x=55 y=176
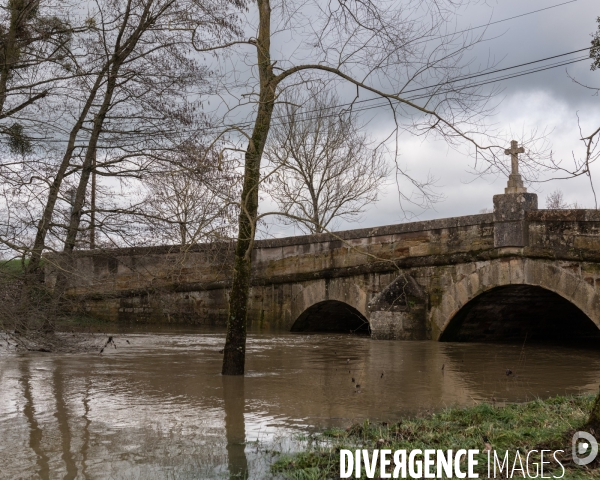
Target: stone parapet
x=363 y=268
x=510 y=221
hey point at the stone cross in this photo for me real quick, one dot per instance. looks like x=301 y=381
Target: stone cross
x=514 y=151
x=515 y=182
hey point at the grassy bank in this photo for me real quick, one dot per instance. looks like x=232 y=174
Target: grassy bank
x=547 y=424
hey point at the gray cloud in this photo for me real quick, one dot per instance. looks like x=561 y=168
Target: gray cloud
x=545 y=101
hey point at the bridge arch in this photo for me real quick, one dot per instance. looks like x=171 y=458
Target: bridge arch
x=469 y=287
x=519 y=312
x=331 y=316
x=316 y=298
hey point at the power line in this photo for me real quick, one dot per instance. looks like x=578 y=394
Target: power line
x=469 y=77
x=541 y=69
x=449 y=82
x=503 y=20
x=386 y=102
x=458 y=79
x=418 y=97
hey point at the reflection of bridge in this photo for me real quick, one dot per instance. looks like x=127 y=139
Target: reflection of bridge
x=515 y=272
x=71 y=416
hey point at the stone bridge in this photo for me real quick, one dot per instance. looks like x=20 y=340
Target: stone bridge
x=518 y=272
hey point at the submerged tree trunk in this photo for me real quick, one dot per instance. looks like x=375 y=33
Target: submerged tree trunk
x=235 y=345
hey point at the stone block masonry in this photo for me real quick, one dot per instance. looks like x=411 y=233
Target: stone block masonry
x=423 y=280
x=446 y=263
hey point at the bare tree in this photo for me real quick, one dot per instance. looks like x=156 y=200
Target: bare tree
x=134 y=96
x=324 y=168
x=581 y=164
x=401 y=54
x=556 y=201
x=191 y=201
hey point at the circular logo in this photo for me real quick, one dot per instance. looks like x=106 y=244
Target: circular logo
x=584 y=443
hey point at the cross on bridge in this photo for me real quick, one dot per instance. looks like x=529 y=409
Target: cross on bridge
x=515 y=182
x=514 y=151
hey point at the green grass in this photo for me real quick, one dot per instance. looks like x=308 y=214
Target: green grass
x=12 y=267
x=15 y=266
x=547 y=424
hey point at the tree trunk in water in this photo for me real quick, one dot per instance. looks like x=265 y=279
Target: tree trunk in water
x=594 y=420
x=234 y=357
x=235 y=428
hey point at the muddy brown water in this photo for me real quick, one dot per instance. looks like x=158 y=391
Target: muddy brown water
x=157 y=406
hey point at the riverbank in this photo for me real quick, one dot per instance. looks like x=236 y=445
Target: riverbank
x=58 y=343
x=540 y=424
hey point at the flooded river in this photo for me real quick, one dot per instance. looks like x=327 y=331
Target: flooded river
x=157 y=407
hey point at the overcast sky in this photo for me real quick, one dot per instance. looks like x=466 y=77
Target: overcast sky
x=547 y=101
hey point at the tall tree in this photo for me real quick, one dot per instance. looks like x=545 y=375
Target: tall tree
x=592 y=140
x=136 y=95
x=324 y=168
x=381 y=50
x=189 y=200
x=592 y=154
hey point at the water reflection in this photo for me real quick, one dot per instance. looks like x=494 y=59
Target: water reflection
x=35 y=432
x=62 y=417
x=157 y=407
x=86 y=428
x=235 y=428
